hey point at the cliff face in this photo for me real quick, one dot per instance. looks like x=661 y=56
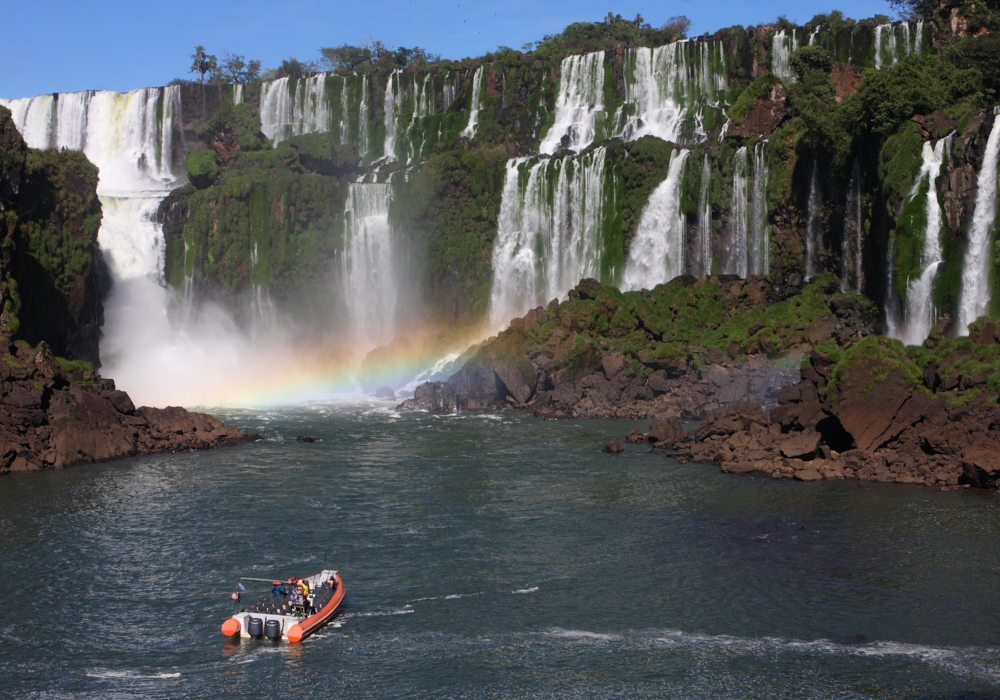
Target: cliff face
x=53 y=278
x=831 y=145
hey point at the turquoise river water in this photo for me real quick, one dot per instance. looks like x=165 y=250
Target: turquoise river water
x=491 y=555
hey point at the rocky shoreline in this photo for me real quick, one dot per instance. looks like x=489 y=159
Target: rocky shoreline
x=810 y=395
x=51 y=418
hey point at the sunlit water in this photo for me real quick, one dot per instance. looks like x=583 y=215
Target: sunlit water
x=491 y=556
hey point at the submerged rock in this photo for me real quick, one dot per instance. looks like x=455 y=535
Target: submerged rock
x=613 y=446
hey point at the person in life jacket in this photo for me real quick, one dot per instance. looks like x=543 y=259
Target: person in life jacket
x=277 y=588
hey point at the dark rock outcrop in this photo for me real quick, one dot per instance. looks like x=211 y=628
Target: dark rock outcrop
x=613 y=446
x=49 y=421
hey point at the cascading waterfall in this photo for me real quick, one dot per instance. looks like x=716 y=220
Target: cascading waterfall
x=238 y=93
x=782 y=48
x=262 y=312
x=667 y=89
x=747 y=247
x=703 y=260
x=128 y=136
x=579 y=103
x=734 y=261
x=370 y=280
x=851 y=242
x=469 y=131
x=812 y=225
x=407 y=102
x=894 y=42
x=293 y=107
x=760 y=238
x=549 y=233
x=449 y=89
x=976 y=285
x=656 y=254
x=920 y=313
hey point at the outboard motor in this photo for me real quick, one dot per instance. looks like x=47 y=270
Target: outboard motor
x=255 y=627
x=272 y=629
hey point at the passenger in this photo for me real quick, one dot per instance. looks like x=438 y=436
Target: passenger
x=277 y=588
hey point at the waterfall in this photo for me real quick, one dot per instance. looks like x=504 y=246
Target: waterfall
x=812 y=225
x=449 y=90
x=760 y=239
x=579 y=103
x=293 y=107
x=128 y=136
x=370 y=282
x=549 y=233
x=262 y=311
x=667 y=89
x=812 y=35
x=976 y=268
x=469 y=132
x=920 y=313
x=888 y=38
x=302 y=106
x=851 y=241
x=703 y=243
x=407 y=102
x=657 y=251
x=782 y=48
x=238 y=93
x=734 y=260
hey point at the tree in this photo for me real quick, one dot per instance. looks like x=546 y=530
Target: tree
x=915 y=9
x=346 y=58
x=679 y=26
x=294 y=68
x=236 y=69
x=202 y=63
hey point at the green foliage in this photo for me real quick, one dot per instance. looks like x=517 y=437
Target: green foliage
x=232 y=128
x=450 y=206
x=874 y=358
x=759 y=89
x=346 y=58
x=202 y=168
x=582 y=37
x=916 y=85
x=60 y=214
x=983 y=54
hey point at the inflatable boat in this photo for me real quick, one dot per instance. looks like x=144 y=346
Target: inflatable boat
x=294 y=610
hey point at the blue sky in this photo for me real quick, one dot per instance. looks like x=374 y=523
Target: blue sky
x=62 y=46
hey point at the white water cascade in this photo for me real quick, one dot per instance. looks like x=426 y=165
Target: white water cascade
x=449 y=89
x=579 y=103
x=549 y=233
x=667 y=89
x=656 y=254
x=295 y=107
x=813 y=224
x=977 y=290
x=782 y=48
x=370 y=280
x=406 y=98
x=894 y=42
x=238 y=93
x=851 y=242
x=760 y=232
x=734 y=259
x=703 y=242
x=469 y=132
x=920 y=313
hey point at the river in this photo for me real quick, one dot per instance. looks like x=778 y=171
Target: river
x=491 y=555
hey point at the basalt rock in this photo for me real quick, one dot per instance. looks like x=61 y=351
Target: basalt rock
x=48 y=421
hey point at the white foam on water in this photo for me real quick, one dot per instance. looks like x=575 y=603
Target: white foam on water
x=526 y=590
x=583 y=634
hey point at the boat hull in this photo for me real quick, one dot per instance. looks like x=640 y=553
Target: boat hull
x=292 y=629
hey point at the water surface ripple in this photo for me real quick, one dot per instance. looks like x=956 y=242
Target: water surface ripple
x=491 y=555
